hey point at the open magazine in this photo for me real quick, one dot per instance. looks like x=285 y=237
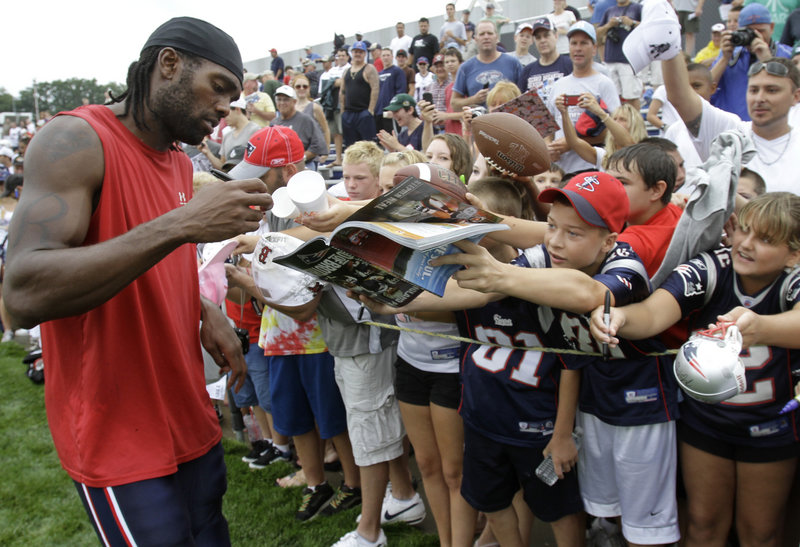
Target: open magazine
x=531 y=108
x=383 y=250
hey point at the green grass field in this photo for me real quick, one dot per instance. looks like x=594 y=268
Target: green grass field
x=41 y=507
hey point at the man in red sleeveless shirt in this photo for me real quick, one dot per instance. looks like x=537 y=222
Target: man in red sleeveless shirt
x=102 y=255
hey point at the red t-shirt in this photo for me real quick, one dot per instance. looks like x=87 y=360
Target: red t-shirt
x=651 y=239
x=125 y=392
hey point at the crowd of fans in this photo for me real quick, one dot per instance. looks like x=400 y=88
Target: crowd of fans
x=347 y=395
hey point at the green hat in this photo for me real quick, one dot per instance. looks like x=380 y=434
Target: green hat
x=401 y=100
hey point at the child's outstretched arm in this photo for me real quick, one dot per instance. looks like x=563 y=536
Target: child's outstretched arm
x=766 y=330
x=562 y=288
x=644 y=319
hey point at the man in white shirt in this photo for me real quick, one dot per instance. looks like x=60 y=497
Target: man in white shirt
x=773 y=88
x=401 y=41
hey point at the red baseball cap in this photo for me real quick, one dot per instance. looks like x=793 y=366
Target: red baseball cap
x=273 y=146
x=598 y=198
x=438 y=58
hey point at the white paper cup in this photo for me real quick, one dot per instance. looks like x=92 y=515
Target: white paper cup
x=308 y=191
x=282 y=206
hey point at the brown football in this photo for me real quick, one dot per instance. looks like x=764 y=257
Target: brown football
x=510 y=144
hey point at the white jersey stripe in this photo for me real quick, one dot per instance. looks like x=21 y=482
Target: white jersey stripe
x=120 y=517
x=94 y=514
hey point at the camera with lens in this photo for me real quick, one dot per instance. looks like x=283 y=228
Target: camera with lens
x=612 y=35
x=743 y=37
x=244 y=339
x=478 y=111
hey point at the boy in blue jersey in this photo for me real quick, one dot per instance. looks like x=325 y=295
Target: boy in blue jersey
x=519 y=406
x=738 y=457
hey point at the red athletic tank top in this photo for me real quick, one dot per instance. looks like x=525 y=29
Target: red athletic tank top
x=125 y=389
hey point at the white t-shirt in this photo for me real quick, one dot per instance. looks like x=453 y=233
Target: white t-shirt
x=668 y=113
x=774 y=160
x=421 y=84
x=562 y=22
x=399 y=43
x=598 y=85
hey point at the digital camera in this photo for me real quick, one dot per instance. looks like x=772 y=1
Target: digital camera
x=743 y=37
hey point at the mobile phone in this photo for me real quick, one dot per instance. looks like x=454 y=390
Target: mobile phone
x=486 y=85
x=221 y=175
x=427 y=96
x=546 y=472
x=572 y=100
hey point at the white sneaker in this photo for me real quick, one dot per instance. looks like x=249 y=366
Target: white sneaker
x=8 y=335
x=410 y=511
x=354 y=539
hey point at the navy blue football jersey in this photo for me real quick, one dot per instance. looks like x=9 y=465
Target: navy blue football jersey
x=706 y=287
x=631 y=388
x=509 y=395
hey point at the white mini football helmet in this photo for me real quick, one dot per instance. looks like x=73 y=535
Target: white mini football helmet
x=708 y=367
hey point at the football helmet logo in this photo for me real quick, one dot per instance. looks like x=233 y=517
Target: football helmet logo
x=708 y=367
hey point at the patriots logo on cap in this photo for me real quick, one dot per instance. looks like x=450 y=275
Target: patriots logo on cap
x=657 y=49
x=588 y=183
x=250 y=148
x=690 y=352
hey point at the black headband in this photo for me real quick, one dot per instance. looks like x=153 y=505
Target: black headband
x=199 y=38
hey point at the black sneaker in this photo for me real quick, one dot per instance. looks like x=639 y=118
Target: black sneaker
x=259 y=448
x=345 y=499
x=313 y=501
x=272 y=455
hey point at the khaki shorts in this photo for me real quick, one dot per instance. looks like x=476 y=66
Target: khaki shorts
x=628 y=84
x=373 y=418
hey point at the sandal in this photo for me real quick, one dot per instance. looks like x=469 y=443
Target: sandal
x=292 y=480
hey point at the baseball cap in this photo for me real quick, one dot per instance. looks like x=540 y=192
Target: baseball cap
x=438 y=58
x=325 y=59
x=6 y=151
x=374 y=46
x=273 y=146
x=286 y=90
x=422 y=60
x=490 y=6
x=235 y=156
x=542 y=22
x=524 y=26
x=598 y=198
x=401 y=100
x=241 y=104
x=585 y=27
x=359 y=45
x=719 y=27
x=273 y=50
x=250 y=76
x=401 y=53
x=589 y=124
x=754 y=14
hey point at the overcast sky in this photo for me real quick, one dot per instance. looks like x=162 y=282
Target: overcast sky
x=59 y=39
